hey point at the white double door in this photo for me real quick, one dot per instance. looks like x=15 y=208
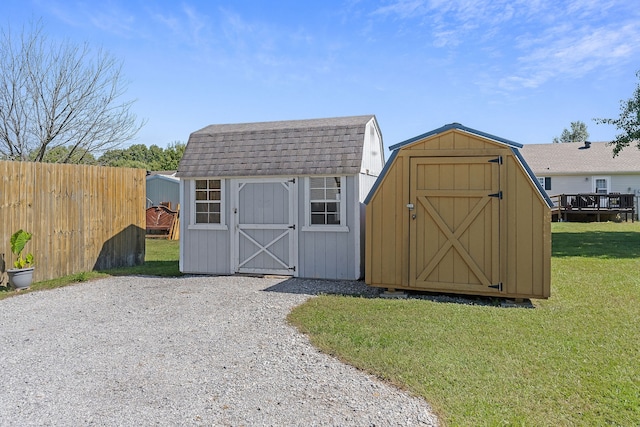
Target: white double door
x=264 y=237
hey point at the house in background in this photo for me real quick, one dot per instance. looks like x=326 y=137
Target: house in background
x=592 y=181
x=280 y=197
x=163 y=187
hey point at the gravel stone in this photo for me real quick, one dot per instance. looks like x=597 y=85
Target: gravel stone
x=194 y=350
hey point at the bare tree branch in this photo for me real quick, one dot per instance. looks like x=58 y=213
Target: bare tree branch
x=60 y=95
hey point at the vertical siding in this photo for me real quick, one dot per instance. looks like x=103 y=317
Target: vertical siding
x=525 y=237
x=204 y=251
x=529 y=236
x=331 y=254
x=82 y=217
x=384 y=240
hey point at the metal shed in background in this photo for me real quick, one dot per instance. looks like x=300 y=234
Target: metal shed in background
x=457 y=210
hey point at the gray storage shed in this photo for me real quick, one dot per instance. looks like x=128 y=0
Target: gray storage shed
x=163 y=188
x=282 y=197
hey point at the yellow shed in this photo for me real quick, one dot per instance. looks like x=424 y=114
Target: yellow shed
x=457 y=210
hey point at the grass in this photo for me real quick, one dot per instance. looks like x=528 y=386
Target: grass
x=161 y=259
x=574 y=359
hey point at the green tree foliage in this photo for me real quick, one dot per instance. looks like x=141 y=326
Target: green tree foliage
x=628 y=122
x=151 y=158
x=62 y=154
x=578 y=133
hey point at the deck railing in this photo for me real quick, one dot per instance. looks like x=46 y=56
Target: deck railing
x=584 y=203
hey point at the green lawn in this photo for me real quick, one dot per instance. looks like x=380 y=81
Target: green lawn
x=574 y=359
x=161 y=259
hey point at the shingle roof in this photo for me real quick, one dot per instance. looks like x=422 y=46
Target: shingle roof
x=292 y=147
x=574 y=157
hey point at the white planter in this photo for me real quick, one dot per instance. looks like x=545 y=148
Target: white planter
x=20 y=278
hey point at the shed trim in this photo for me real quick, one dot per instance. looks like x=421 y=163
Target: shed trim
x=456 y=126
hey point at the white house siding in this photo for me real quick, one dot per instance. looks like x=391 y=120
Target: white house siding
x=332 y=254
x=207 y=251
x=569 y=184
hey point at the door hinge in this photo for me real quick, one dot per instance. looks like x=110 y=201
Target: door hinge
x=292 y=268
x=292 y=180
x=498 y=195
x=293 y=227
x=498 y=286
x=497 y=160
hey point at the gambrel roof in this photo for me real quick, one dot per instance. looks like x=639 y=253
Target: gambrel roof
x=293 y=147
x=575 y=158
x=514 y=146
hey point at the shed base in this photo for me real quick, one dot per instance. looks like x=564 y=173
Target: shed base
x=392 y=293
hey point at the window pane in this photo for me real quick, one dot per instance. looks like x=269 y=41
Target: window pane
x=318 y=207
x=316 y=182
x=214 y=218
x=333 y=182
x=214 y=195
x=332 y=207
x=202 y=218
x=202 y=207
x=201 y=195
x=317 y=194
x=333 y=219
x=333 y=194
x=201 y=184
x=214 y=183
x=214 y=207
x=318 y=219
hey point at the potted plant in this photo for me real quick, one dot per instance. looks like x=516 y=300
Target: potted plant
x=21 y=276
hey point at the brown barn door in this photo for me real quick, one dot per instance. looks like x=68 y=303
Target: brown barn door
x=455 y=224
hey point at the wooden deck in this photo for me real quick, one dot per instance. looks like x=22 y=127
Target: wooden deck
x=593 y=207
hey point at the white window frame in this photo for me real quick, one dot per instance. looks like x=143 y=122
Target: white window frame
x=343 y=207
x=607 y=179
x=541 y=180
x=192 y=220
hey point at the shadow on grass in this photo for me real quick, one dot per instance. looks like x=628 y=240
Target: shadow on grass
x=149 y=268
x=598 y=244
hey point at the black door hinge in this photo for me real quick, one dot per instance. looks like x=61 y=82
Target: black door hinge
x=292 y=180
x=498 y=195
x=293 y=227
x=498 y=286
x=292 y=268
x=497 y=160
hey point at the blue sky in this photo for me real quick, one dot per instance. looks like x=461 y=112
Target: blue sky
x=522 y=70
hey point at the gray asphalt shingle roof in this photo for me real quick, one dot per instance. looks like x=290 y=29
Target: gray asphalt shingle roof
x=292 y=147
x=573 y=157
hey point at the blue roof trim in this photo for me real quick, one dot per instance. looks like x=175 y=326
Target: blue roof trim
x=457 y=126
x=380 y=177
x=514 y=148
x=541 y=190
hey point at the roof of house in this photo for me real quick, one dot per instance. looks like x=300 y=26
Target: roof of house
x=574 y=157
x=514 y=146
x=292 y=147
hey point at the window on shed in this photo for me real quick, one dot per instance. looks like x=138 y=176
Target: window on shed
x=208 y=201
x=326 y=200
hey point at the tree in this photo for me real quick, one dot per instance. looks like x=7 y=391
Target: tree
x=59 y=95
x=578 y=133
x=152 y=158
x=628 y=122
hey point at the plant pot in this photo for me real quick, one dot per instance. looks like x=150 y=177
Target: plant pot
x=20 y=278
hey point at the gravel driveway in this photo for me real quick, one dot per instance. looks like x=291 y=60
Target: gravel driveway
x=182 y=351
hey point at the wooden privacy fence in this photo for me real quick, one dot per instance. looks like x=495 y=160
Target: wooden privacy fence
x=82 y=217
